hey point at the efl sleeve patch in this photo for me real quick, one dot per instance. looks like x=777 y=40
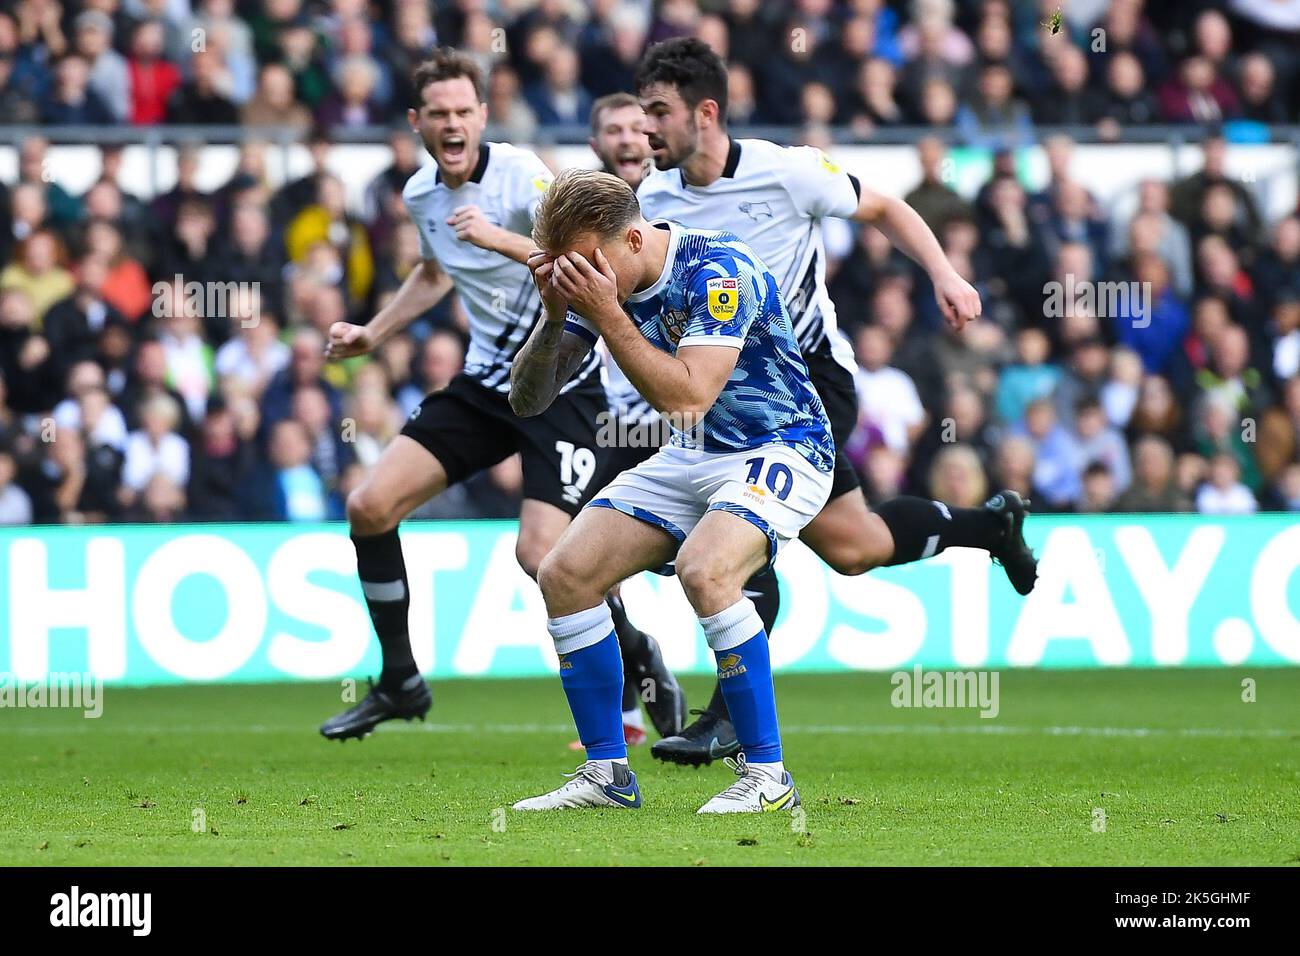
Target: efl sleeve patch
x=829 y=164
x=540 y=183
x=724 y=295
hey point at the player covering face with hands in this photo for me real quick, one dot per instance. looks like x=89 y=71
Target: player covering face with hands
x=697 y=324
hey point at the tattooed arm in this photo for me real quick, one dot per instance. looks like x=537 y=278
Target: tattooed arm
x=551 y=355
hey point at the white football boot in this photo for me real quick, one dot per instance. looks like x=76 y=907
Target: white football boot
x=591 y=785
x=755 y=791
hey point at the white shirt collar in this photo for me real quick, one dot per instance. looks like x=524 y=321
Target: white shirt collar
x=674 y=237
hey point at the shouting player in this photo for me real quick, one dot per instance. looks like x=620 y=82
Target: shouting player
x=474 y=198
x=774 y=198
x=697 y=324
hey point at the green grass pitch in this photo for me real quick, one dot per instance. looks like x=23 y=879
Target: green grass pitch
x=1096 y=768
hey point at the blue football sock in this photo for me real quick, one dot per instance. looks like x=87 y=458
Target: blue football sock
x=739 y=645
x=591 y=670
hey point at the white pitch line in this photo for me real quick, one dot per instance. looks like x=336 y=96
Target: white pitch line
x=864 y=730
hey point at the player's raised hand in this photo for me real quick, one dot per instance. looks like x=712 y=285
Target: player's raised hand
x=347 y=340
x=472 y=226
x=957 y=299
x=591 y=289
x=542 y=266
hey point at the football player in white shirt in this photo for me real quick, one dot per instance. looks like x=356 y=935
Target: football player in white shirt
x=774 y=199
x=474 y=207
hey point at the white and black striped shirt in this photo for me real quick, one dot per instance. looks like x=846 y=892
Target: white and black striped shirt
x=498 y=293
x=774 y=198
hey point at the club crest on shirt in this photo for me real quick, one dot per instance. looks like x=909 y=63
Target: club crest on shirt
x=674 y=321
x=756 y=210
x=723 y=296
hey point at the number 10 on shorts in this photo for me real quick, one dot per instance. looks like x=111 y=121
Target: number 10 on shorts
x=780 y=479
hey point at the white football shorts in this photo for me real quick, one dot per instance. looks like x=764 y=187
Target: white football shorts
x=773 y=487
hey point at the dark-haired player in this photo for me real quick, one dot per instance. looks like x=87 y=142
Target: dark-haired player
x=774 y=198
x=477 y=197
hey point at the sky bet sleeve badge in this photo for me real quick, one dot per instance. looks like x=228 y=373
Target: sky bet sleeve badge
x=723 y=294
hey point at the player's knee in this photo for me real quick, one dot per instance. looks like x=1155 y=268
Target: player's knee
x=704 y=580
x=851 y=561
x=560 y=578
x=368 y=512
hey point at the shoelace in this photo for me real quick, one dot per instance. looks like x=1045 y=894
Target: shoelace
x=747 y=781
x=588 y=772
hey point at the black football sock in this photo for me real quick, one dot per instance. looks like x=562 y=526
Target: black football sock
x=922 y=528
x=764 y=591
x=383 y=581
x=631 y=699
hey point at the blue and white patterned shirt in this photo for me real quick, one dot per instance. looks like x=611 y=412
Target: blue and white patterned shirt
x=715 y=291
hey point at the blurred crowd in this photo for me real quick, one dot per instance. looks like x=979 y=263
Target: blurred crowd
x=1162 y=374
x=988 y=69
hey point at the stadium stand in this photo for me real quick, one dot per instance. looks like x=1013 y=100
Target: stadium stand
x=1188 y=401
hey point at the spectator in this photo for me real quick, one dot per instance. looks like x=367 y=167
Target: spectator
x=153 y=79
x=290 y=489
x=72 y=101
x=109 y=77
x=1198 y=95
x=872 y=100
x=330 y=453
x=1153 y=488
x=1260 y=99
x=201 y=101
x=1068 y=100
x=327 y=222
x=253 y=355
x=17 y=105
x=957 y=478
x=1057 y=474
x=72 y=325
x=356 y=101
x=273 y=104
x=189 y=357
x=85 y=388
x=15 y=503
x=37 y=270
x=887 y=397
x=1098 y=490
x=222 y=459
x=507 y=107
x=25 y=365
x=1127 y=100
x=1223 y=493
x=1030 y=378
x=1099 y=441
x=156 y=449
x=1155 y=329
x=933 y=198
x=558 y=99
x=126 y=285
